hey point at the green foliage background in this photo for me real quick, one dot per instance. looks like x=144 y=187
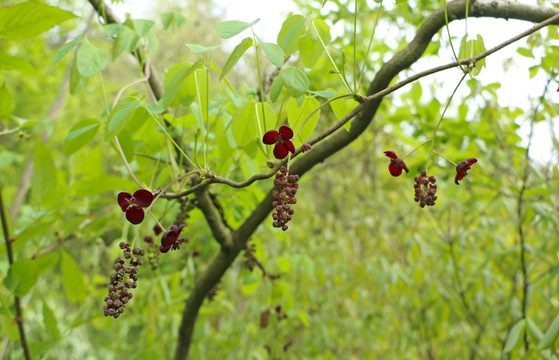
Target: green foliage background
x=365 y=273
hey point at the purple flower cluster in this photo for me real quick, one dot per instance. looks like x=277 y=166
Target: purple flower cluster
x=284 y=193
x=124 y=277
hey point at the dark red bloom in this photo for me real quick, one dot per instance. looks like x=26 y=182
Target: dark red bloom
x=170 y=239
x=282 y=141
x=396 y=164
x=462 y=168
x=132 y=204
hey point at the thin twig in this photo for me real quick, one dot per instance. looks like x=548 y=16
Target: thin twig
x=17 y=304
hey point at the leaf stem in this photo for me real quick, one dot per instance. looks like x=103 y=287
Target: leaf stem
x=119 y=148
x=442 y=116
x=256 y=50
x=331 y=60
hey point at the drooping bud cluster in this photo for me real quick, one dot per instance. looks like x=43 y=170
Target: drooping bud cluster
x=152 y=252
x=284 y=193
x=425 y=189
x=249 y=258
x=124 y=277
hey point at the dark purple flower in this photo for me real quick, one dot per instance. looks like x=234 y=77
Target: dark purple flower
x=462 y=168
x=281 y=139
x=396 y=164
x=132 y=204
x=169 y=238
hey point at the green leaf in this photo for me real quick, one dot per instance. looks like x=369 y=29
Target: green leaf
x=29 y=19
x=471 y=48
x=295 y=80
x=119 y=114
x=275 y=89
x=550 y=335
x=46 y=261
x=302 y=315
x=310 y=47
x=342 y=107
x=80 y=134
x=228 y=29
x=273 y=52
x=251 y=282
x=6 y=102
x=72 y=279
x=244 y=124
x=174 y=85
x=199 y=49
x=126 y=40
x=112 y=30
x=324 y=94
x=525 y=52
x=187 y=90
x=284 y=264
x=534 y=330
x=21 y=277
x=49 y=320
x=90 y=60
x=291 y=29
x=142 y=26
x=514 y=336
x=66 y=48
x=77 y=82
x=16 y=63
x=127 y=144
x=297 y=114
x=43 y=182
x=235 y=56
x=172 y=18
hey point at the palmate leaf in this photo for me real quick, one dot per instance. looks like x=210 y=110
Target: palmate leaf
x=29 y=19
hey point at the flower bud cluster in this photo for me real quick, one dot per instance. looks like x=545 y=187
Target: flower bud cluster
x=152 y=252
x=124 y=277
x=284 y=193
x=425 y=189
x=249 y=258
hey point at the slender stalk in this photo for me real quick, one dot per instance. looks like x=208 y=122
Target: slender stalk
x=17 y=304
x=370 y=43
x=121 y=152
x=331 y=60
x=355 y=47
x=256 y=50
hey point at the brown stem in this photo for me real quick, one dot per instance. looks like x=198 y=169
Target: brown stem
x=17 y=304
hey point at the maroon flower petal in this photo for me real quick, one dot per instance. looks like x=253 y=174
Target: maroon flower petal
x=168 y=239
x=290 y=146
x=280 y=150
x=143 y=198
x=121 y=198
x=459 y=176
x=135 y=215
x=471 y=161
x=394 y=169
x=400 y=163
x=164 y=249
x=286 y=132
x=391 y=154
x=271 y=137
